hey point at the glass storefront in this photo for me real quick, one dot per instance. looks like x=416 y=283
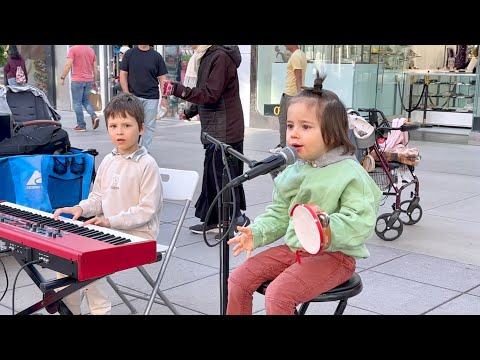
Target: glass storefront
x=361 y=75
x=40 y=67
x=373 y=76
x=115 y=53
x=476 y=109
x=36 y=63
x=40 y=61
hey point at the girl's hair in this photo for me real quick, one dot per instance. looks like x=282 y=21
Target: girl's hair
x=331 y=113
x=13 y=52
x=124 y=104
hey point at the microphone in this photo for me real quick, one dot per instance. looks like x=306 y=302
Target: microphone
x=286 y=157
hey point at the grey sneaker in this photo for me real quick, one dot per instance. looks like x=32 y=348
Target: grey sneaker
x=276 y=149
x=198 y=229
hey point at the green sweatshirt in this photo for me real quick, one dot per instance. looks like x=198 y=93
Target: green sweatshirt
x=340 y=186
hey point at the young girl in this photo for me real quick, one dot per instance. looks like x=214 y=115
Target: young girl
x=328 y=177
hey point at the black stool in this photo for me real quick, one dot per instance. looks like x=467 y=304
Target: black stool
x=341 y=293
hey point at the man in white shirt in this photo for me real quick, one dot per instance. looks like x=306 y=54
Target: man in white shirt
x=296 y=70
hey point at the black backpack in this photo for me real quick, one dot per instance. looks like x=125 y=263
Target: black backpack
x=6 y=126
x=36 y=137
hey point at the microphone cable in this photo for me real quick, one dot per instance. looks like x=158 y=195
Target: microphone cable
x=208 y=215
x=227 y=161
x=5 y=271
x=15 y=281
x=217 y=200
x=6 y=278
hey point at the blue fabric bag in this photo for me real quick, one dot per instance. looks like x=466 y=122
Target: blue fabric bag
x=47 y=182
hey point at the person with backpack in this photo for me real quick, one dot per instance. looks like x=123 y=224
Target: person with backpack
x=15 y=70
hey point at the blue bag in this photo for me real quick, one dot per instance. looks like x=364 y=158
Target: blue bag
x=47 y=182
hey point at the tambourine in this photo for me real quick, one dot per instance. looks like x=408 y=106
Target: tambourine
x=308 y=228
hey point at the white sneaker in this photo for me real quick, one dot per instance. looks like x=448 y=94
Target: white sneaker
x=276 y=150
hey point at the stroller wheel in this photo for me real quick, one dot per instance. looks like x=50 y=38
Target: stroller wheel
x=415 y=213
x=388 y=232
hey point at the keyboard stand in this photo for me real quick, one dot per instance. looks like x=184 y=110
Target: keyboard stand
x=52 y=300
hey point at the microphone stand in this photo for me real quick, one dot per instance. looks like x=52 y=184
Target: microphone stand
x=225 y=215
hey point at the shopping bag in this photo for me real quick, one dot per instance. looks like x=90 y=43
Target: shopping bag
x=96 y=101
x=161 y=111
x=46 y=182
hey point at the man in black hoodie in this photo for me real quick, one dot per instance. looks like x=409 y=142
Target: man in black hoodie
x=216 y=99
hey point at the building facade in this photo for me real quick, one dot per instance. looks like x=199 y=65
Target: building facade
x=387 y=77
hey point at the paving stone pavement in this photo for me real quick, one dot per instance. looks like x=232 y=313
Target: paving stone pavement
x=432 y=268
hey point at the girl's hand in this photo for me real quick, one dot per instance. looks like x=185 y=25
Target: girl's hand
x=244 y=242
x=315 y=208
x=99 y=221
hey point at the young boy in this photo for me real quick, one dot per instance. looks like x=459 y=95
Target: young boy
x=126 y=194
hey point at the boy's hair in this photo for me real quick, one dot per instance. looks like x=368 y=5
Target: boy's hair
x=331 y=113
x=124 y=104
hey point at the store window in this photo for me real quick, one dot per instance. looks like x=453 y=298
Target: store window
x=176 y=59
x=36 y=63
x=118 y=52
x=336 y=60
x=361 y=75
x=96 y=49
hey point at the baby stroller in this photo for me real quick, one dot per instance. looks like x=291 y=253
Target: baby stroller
x=38 y=166
x=26 y=103
x=386 y=167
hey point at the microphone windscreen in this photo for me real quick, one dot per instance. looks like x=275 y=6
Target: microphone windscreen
x=290 y=155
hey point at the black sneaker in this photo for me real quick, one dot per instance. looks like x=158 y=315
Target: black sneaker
x=240 y=221
x=95 y=122
x=198 y=229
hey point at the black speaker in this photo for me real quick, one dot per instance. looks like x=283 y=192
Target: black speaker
x=6 y=126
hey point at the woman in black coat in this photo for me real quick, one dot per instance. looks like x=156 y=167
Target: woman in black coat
x=216 y=99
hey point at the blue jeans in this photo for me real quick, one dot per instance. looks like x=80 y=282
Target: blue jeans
x=150 y=109
x=80 y=92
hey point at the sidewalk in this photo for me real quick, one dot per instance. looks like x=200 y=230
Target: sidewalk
x=432 y=268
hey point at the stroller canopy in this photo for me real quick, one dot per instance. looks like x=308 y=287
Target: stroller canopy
x=26 y=103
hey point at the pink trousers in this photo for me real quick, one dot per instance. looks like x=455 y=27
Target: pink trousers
x=293 y=283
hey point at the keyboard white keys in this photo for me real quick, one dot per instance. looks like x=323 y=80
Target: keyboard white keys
x=132 y=238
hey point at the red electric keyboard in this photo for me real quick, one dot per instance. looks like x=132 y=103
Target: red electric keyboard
x=64 y=245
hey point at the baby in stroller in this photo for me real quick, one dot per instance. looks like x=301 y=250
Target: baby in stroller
x=383 y=152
